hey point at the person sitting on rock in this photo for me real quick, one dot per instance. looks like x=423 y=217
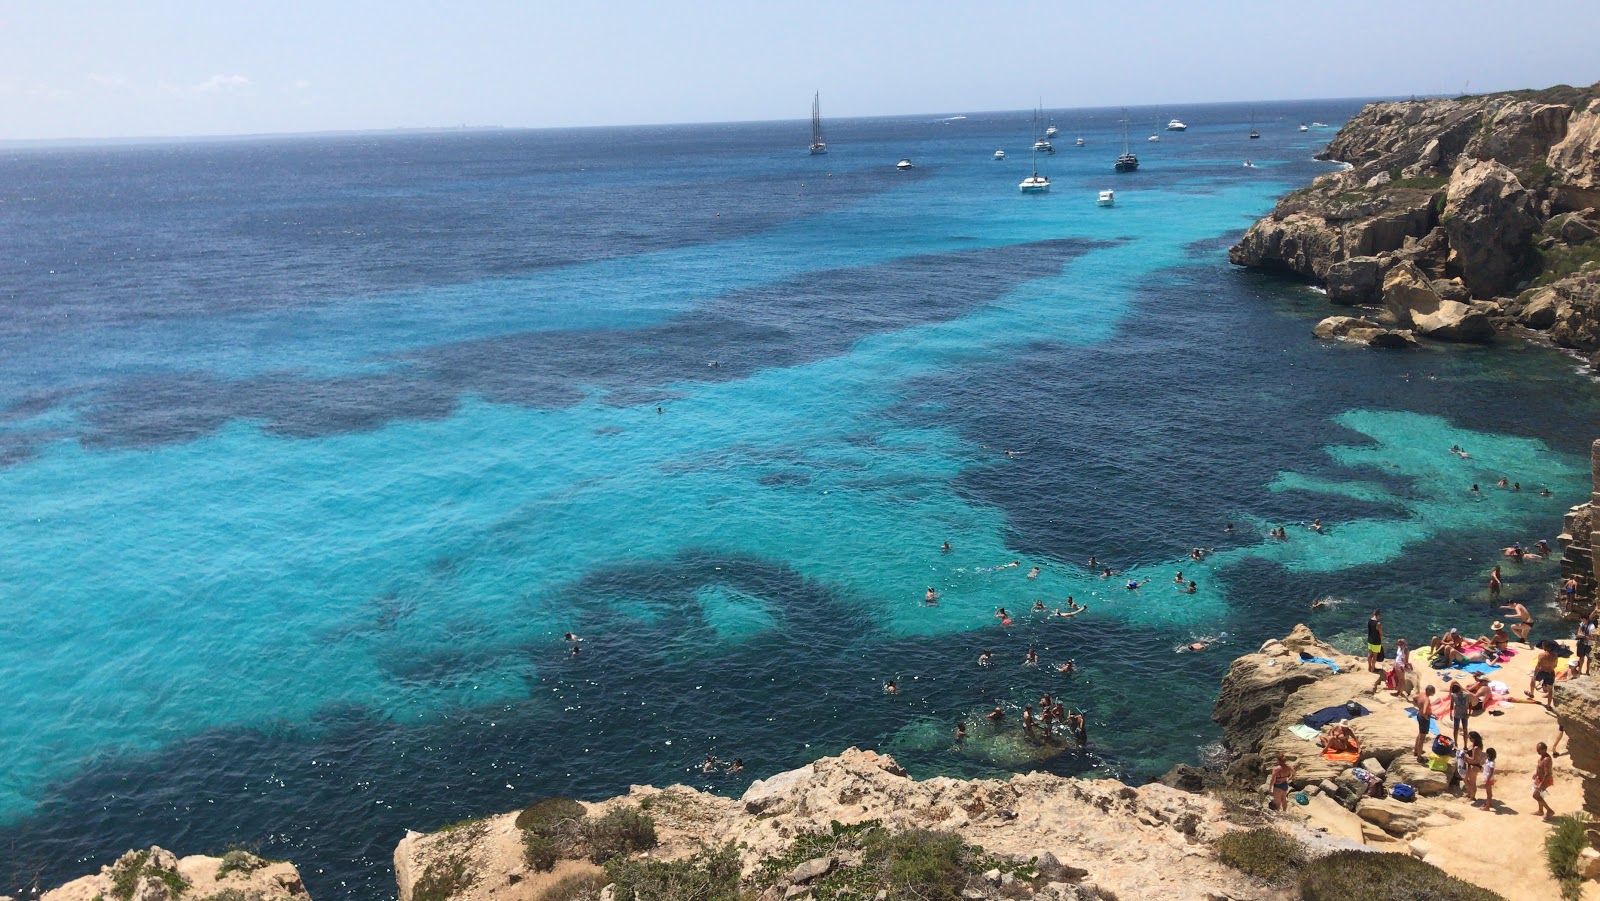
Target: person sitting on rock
x=1497 y=639
x=1339 y=739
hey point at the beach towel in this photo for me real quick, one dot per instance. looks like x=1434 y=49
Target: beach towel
x=1328 y=715
x=1342 y=756
x=1433 y=723
x=1441 y=707
x=1307 y=658
x=1305 y=732
x=1484 y=668
x=1421 y=655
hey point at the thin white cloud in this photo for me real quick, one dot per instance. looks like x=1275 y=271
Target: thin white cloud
x=222 y=84
x=109 y=82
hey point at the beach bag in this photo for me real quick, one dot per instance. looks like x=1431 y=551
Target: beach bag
x=1439 y=764
x=1403 y=792
x=1443 y=747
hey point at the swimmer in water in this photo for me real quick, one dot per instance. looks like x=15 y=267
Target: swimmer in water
x=945 y=548
x=1071 y=604
x=1067 y=668
x=1033 y=573
x=1105 y=573
x=1135 y=586
x=1013 y=564
x=931 y=598
x=996 y=715
x=1092 y=562
x=1316 y=525
x=1001 y=614
x=1064 y=614
x=575 y=650
x=889 y=688
x=1475 y=488
x=1039 y=607
x=1502 y=483
x=1228 y=528
x=570 y=637
x=983 y=659
x=1516 y=486
x=1197 y=645
x=961 y=732
x=1544 y=493
x=1032 y=659
x=710 y=765
x=737 y=765
x=1188 y=589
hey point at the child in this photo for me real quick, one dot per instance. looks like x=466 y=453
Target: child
x=1488 y=779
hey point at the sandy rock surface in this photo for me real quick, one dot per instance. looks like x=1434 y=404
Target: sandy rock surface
x=257 y=879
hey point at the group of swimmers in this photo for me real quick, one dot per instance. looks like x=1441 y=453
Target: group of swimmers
x=1052 y=713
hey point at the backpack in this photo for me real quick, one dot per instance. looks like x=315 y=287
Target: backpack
x=1403 y=792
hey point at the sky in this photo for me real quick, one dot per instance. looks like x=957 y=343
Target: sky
x=89 y=68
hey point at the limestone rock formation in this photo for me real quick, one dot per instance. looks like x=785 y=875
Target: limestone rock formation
x=1577 y=158
x=1363 y=331
x=1414 y=302
x=1569 y=309
x=1488 y=217
x=157 y=874
x=1577 y=705
x=1146 y=842
x=1257 y=686
x=1480 y=194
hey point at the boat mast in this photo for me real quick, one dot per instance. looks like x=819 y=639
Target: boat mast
x=816 y=119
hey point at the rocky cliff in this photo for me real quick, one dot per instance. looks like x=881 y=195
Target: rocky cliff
x=157 y=874
x=1453 y=217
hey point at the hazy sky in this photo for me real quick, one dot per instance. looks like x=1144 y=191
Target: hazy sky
x=120 y=68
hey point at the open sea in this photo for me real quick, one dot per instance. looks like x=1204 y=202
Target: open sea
x=312 y=449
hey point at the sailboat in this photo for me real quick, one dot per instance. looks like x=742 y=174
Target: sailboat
x=1127 y=162
x=1155 y=132
x=1051 y=131
x=1036 y=183
x=817 y=144
x=1041 y=143
x=1253 y=133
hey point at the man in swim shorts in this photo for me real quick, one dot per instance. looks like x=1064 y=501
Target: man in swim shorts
x=1524 y=623
x=1423 y=700
x=1544 y=672
x=1374 y=642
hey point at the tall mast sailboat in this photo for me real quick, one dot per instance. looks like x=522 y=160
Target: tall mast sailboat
x=817 y=144
x=1036 y=183
x=1127 y=162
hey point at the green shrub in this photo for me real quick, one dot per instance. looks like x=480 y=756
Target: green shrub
x=548 y=813
x=442 y=880
x=622 y=831
x=130 y=867
x=539 y=852
x=919 y=863
x=236 y=894
x=1375 y=876
x=238 y=860
x=1263 y=852
x=1561 y=849
x=577 y=887
x=711 y=874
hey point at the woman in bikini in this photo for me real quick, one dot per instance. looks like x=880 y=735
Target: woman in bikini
x=1282 y=774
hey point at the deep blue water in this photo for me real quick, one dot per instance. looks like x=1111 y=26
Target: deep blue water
x=314 y=447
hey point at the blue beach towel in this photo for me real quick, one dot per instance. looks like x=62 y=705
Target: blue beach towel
x=1478 y=668
x=1307 y=658
x=1433 y=725
x=1333 y=715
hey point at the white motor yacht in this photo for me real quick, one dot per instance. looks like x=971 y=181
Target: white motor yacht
x=904 y=164
x=999 y=154
x=1107 y=198
x=1176 y=125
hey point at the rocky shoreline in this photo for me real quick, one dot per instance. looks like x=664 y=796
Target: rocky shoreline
x=1453 y=220
x=810 y=832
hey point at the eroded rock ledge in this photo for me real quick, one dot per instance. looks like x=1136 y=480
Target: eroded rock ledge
x=1454 y=218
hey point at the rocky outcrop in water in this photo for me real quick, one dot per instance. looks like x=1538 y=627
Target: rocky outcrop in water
x=1480 y=198
x=157 y=874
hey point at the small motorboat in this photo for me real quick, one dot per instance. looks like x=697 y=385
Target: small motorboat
x=904 y=164
x=1050 y=132
x=1176 y=125
x=999 y=154
x=1154 y=137
x=1080 y=142
x=1249 y=165
x=1319 y=125
x=1304 y=127
x=1107 y=198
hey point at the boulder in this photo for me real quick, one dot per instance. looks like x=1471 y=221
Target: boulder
x=1569 y=308
x=1340 y=326
x=1301 y=244
x=1257 y=685
x=1413 y=301
x=1397 y=818
x=1489 y=218
x=1391 y=339
x=1357 y=280
x=816 y=868
x=1425 y=781
x=1185 y=778
x=1578 y=227
x=1577 y=705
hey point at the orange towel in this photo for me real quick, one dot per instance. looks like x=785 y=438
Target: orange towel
x=1341 y=756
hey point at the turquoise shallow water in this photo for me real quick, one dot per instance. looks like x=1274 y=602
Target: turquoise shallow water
x=302 y=494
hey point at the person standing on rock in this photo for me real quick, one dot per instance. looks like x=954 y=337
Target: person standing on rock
x=1282 y=776
x=1424 y=703
x=1543 y=778
x=1374 y=642
x=1460 y=710
x=1544 y=673
x=1585 y=636
x=1475 y=760
x=1080 y=732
